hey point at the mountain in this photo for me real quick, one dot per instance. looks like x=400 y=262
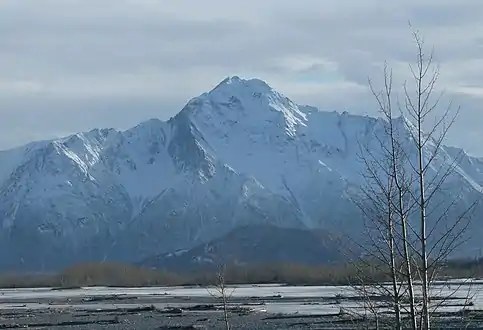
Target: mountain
x=251 y=245
x=239 y=155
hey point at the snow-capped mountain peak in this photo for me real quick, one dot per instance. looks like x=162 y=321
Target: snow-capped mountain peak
x=250 y=103
x=236 y=83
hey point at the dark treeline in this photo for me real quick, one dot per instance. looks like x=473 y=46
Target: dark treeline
x=121 y=275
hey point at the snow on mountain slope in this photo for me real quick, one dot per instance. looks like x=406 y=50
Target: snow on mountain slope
x=241 y=154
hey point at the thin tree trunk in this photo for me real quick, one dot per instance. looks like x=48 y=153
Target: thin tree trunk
x=397 y=307
x=401 y=186
x=409 y=276
x=422 y=201
x=225 y=311
x=424 y=254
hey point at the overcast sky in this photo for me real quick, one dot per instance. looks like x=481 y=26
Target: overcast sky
x=72 y=65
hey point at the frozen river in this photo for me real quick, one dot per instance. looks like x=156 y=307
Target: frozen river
x=276 y=299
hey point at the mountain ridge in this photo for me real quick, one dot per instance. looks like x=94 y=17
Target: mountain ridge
x=241 y=154
x=252 y=245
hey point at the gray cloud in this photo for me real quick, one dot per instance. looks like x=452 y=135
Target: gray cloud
x=69 y=65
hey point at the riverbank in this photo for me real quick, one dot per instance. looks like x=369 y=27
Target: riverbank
x=249 y=307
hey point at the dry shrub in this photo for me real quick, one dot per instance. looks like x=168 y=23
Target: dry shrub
x=124 y=275
x=116 y=274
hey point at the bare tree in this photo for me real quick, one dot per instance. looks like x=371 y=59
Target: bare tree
x=437 y=242
x=395 y=158
x=383 y=205
x=222 y=292
x=405 y=168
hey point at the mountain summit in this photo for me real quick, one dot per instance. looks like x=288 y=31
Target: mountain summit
x=240 y=156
